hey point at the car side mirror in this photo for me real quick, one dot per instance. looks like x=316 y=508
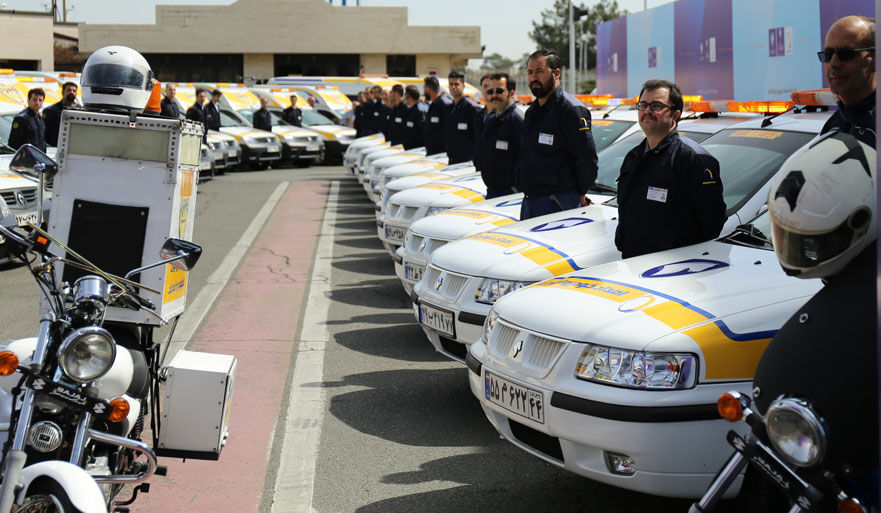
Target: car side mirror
x=30 y=162
x=184 y=253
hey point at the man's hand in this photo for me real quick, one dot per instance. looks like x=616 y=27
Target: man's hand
x=585 y=201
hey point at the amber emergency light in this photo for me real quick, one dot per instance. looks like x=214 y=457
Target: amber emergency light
x=119 y=409
x=814 y=97
x=729 y=407
x=8 y=363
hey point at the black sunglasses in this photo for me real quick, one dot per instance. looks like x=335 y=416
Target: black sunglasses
x=655 y=106
x=844 y=54
x=496 y=91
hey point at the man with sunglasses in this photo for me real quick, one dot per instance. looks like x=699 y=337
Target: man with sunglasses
x=849 y=63
x=558 y=158
x=498 y=142
x=669 y=190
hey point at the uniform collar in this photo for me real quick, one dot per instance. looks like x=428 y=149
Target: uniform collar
x=863 y=105
x=552 y=99
x=666 y=141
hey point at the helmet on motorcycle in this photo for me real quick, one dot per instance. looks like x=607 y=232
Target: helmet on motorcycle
x=116 y=78
x=822 y=206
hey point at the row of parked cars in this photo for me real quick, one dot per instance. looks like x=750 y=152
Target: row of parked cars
x=605 y=366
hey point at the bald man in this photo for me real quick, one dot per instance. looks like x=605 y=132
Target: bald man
x=849 y=64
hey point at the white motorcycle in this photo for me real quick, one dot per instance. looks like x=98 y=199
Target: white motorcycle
x=77 y=396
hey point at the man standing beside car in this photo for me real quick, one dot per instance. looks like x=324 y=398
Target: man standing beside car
x=412 y=133
x=212 y=111
x=394 y=127
x=849 y=64
x=262 y=118
x=292 y=114
x=196 y=112
x=434 y=118
x=669 y=190
x=169 y=106
x=558 y=159
x=498 y=148
x=28 y=126
x=459 y=122
x=52 y=114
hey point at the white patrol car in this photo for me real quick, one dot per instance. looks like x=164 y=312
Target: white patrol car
x=18 y=199
x=373 y=182
x=613 y=372
x=228 y=152
x=336 y=138
x=427 y=163
x=350 y=157
x=259 y=147
x=478 y=270
x=370 y=154
x=299 y=145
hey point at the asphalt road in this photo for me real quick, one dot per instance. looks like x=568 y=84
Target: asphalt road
x=401 y=431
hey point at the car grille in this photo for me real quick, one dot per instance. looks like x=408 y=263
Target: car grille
x=408 y=212
x=230 y=144
x=11 y=196
x=387 y=193
x=414 y=244
x=451 y=284
x=539 y=352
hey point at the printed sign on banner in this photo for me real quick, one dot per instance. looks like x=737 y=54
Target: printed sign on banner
x=612 y=57
x=648 y=34
x=703 y=48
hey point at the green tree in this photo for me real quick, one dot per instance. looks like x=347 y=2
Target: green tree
x=497 y=62
x=552 y=31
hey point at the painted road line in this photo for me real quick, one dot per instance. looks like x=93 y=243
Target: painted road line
x=295 y=478
x=197 y=310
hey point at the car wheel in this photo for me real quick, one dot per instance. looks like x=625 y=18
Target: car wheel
x=322 y=157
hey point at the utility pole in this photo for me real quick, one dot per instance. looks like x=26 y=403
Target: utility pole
x=571 y=87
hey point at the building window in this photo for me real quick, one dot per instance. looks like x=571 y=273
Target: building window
x=400 y=65
x=189 y=67
x=19 y=64
x=321 y=65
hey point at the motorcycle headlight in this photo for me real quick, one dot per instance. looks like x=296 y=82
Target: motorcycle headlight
x=488 y=325
x=87 y=353
x=796 y=431
x=491 y=290
x=637 y=369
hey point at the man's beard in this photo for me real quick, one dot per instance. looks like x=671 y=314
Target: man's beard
x=70 y=98
x=540 y=91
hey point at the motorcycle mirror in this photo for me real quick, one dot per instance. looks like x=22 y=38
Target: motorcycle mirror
x=184 y=253
x=30 y=162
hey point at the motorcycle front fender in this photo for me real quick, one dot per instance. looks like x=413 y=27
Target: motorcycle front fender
x=81 y=488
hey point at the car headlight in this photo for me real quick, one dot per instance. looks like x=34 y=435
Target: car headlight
x=87 y=353
x=488 y=325
x=491 y=290
x=435 y=210
x=637 y=369
x=290 y=137
x=249 y=139
x=796 y=431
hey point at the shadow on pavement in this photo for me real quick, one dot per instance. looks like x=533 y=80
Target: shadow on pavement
x=361 y=242
x=358 y=211
x=405 y=342
x=384 y=318
x=379 y=264
x=361 y=225
x=386 y=293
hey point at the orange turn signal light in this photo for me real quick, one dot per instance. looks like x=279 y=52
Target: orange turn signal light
x=729 y=407
x=773 y=107
x=119 y=409
x=8 y=363
x=849 y=506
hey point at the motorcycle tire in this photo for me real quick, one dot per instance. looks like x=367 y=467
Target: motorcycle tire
x=45 y=495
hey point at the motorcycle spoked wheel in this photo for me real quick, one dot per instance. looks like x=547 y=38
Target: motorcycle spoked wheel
x=46 y=496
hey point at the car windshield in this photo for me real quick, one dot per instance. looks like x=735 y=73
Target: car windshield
x=310 y=117
x=756 y=233
x=247 y=114
x=749 y=157
x=605 y=131
x=227 y=118
x=276 y=117
x=5 y=126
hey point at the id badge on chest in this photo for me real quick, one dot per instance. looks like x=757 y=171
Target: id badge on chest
x=657 y=194
x=463 y=126
x=501 y=145
x=546 y=139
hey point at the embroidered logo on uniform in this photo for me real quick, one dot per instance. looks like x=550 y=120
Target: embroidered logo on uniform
x=585 y=124
x=709 y=178
x=546 y=139
x=15 y=124
x=657 y=194
x=501 y=145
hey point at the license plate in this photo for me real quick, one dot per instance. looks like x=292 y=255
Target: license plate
x=439 y=320
x=273 y=149
x=521 y=400
x=232 y=153
x=23 y=219
x=312 y=147
x=394 y=234
x=413 y=272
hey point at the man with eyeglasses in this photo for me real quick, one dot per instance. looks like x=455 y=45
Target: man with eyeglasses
x=558 y=158
x=849 y=63
x=669 y=189
x=498 y=144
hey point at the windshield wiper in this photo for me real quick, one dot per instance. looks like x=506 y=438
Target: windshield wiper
x=601 y=187
x=749 y=235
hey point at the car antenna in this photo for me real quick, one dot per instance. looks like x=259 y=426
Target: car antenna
x=767 y=121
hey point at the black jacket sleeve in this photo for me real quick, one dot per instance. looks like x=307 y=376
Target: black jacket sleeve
x=18 y=135
x=703 y=190
x=580 y=145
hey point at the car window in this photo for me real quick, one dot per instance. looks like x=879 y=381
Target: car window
x=605 y=131
x=310 y=117
x=749 y=157
x=5 y=126
x=228 y=119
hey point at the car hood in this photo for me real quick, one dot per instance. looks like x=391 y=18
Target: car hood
x=444 y=193
x=538 y=248
x=333 y=131
x=400 y=158
x=421 y=178
x=241 y=131
x=455 y=223
x=721 y=301
x=9 y=180
x=412 y=167
x=292 y=130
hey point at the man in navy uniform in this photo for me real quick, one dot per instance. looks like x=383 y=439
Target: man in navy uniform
x=394 y=127
x=52 y=114
x=434 y=118
x=498 y=149
x=669 y=190
x=262 y=118
x=292 y=114
x=169 y=106
x=28 y=126
x=212 y=111
x=558 y=159
x=459 y=122
x=412 y=134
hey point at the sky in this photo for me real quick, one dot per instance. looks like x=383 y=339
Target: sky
x=504 y=26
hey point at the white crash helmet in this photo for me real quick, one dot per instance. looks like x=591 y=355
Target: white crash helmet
x=822 y=206
x=116 y=78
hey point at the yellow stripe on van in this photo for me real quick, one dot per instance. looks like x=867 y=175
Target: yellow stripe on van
x=553 y=261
